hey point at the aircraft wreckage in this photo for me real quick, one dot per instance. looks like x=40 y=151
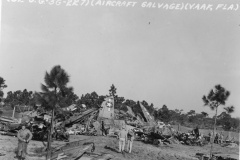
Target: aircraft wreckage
x=97 y=121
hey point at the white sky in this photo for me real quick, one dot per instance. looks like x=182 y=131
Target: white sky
x=162 y=56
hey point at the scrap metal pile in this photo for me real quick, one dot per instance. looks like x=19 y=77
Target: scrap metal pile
x=93 y=122
x=40 y=125
x=102 y=121
x=8 y=125
x=165 y=135
x=217 y=156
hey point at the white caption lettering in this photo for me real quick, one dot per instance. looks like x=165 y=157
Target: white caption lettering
x=130 y=4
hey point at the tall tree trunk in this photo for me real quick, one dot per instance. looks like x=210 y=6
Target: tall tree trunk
x=50 y=137
x=51 y=129
x=214 y=128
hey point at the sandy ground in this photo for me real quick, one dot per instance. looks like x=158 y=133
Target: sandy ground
x=141 y=151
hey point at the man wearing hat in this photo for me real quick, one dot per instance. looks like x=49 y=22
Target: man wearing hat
x=24 y=136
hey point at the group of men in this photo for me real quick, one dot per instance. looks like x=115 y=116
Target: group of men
x=218 y=137
x=125 y=136
x=24 y=136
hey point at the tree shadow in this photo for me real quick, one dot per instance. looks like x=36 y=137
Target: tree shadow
x=112 y=149
x=164 y=145
x=16 y=154
x=38 y=150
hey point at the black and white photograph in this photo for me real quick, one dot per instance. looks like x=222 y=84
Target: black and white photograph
x=119 y=79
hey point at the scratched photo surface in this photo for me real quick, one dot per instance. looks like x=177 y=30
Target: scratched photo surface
x=166 y=52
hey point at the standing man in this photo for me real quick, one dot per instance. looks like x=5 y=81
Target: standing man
x=217 y=138
x=122 y=135
x=130 y=137
x=24 y=136
x=103 y=128
x=221 y=137
x=196 y=132
x=210 y=134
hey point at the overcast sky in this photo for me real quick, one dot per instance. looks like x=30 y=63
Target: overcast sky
x=170 y=57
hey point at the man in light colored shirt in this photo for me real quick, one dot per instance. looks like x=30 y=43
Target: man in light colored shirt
x=24 y=136
x=221 y=137
x=122 y=135
x=130 y=136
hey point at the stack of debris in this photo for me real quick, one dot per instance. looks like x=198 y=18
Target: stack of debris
x=217 y=156
x=162 y=136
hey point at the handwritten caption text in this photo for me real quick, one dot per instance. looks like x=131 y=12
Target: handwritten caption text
x=145 y=4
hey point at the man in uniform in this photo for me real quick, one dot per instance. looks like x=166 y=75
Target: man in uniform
x=221 y=138
x=103 y=128
x=122 y=135
x=24 y=136
x=196 y=131
x=217 y=138
x=130 y=137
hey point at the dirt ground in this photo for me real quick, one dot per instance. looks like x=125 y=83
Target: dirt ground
x=141 y=151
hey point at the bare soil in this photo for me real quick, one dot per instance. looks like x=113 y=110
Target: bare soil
x=141 y=151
